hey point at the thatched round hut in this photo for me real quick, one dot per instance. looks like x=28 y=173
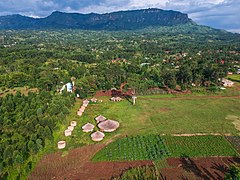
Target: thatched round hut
x=108 y=125
x=82 y=107
x=88 y=127
x=115 y=99
x=61 y=144
x=71 y=128
x=68 y=132
x=97 y=136
x=94 y=99
x=85 y=102
x=73 y=123
x=100 y=118
x=81 y=110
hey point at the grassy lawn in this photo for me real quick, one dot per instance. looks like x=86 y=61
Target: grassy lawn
x=234 y=77
x=153 y=116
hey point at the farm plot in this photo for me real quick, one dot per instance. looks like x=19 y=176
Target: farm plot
x=199 y=146
x=134 y=148
x=235 y=140
x=156 y=147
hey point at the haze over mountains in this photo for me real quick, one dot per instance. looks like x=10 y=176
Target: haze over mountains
x=122 y=20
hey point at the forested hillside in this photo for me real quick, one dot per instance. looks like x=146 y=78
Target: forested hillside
x=157 y=57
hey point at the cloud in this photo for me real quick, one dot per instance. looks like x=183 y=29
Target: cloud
x=216 y=13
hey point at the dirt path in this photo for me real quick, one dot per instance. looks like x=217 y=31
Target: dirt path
x=201 y=134
x=77 y=165
x=194 y=97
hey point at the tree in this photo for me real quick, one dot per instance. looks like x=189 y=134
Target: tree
x=233 y=173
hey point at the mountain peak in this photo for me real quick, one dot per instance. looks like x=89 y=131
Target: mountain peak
x=121 y=20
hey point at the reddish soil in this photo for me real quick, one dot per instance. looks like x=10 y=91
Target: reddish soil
x=114 y=93
x=193 y=97
x=197 y=168
x=77 y=165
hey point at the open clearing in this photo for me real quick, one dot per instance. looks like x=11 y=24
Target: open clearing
x=149 y=116
x=154 y=116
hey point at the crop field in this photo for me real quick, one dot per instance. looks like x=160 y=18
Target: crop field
x=159 y=115
x=199 y=146
x=134 y=148
x=235 y=140
x=156 y=147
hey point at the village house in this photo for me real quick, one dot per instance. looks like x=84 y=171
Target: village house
x=227 y=83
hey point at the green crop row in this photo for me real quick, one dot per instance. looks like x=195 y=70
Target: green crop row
x=155 y=147
x=199 y=146
x=134 y=148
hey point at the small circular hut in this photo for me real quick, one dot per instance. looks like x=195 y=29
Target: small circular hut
x=70 y=128
x=79 y=113
x=94 y=99
x=61 y=144
x=73 y=123
x=97 y=136
x=108 y=125
x=68 y=132
x=100 y=119
x=88 y=127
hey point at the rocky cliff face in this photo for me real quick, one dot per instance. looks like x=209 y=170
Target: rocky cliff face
x=122 y=20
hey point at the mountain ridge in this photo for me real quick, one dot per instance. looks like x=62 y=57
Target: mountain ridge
x=120 y=20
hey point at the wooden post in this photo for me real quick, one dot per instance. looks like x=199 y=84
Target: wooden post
x=134 y=99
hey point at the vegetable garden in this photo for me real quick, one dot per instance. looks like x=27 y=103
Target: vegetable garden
x=199 y=146
x=134 y=148
x=155 y=147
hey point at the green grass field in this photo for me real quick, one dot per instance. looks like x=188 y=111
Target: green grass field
x=234 y=77
x=154 y=116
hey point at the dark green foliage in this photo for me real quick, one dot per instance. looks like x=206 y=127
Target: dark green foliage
x=26 y=124
x=233 y=173
x=153 y=57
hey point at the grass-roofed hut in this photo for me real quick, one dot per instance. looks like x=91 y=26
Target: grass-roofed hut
x=108 y=125
x=88 y=127
x=97 y=136
x=100 y=119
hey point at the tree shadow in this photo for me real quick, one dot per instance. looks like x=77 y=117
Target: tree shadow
x=208 y=173
x=162 y=177
x=219 y=167
x=128 y=98
x=183 y=177
x=189 y=165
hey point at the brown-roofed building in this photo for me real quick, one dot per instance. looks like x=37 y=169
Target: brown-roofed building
x=97 y=136
x=100 y=118
x=88 y=127
x=108 y=125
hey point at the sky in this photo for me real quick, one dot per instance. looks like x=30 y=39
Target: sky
x=221 y=14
